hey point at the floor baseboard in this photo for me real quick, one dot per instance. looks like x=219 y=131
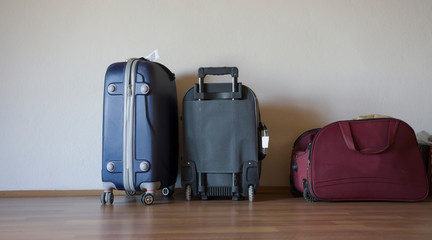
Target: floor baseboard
x=83 y=193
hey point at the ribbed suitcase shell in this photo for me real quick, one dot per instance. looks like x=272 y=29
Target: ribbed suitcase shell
x=155 y=127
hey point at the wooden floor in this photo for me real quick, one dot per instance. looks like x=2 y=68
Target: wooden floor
x=273 y=216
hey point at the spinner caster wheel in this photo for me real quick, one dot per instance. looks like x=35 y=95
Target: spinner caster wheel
x=130 y=194
x=107 y=198
x=168 y=191
x=102 y=198
x=147 y=199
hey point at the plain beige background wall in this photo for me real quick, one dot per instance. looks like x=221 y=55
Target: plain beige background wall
x=309 y=62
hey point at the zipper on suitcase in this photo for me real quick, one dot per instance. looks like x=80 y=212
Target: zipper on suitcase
x=308 y=193
x=304 y=134
x=128 y=125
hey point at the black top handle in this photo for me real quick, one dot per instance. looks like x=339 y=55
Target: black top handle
x=200 y=92
x=204 y=71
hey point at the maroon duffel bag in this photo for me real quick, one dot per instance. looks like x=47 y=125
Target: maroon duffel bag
x=365 y=160
x=299 y=161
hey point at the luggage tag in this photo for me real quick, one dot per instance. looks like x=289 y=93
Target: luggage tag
x=265 y=137
x=153 y=56
x=265 y=141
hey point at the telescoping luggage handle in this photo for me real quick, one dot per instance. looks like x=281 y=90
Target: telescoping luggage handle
x=200 y=93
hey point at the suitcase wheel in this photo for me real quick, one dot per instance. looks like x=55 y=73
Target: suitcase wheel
x=188 y=193
x=168 y=191
x=130 y=193
x=107 y=197
x=147 y=198
x=251 y=193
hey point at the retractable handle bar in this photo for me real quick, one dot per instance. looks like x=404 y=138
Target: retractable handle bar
x=204 y=71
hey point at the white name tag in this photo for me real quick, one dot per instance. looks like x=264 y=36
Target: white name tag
x=265 y=141
x=153 y=56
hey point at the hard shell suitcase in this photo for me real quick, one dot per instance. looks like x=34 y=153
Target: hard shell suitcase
x=365 y=160
x=140 y=130
x=224 y=140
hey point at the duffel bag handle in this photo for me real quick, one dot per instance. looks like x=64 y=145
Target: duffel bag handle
x=349 y=140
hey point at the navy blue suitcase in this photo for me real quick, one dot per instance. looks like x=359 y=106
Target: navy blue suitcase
x=140 y=130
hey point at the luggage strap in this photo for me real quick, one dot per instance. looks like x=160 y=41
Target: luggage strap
x=128 y=124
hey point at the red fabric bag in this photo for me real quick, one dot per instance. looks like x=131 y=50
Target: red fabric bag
x=299 y=161
x=365 y=160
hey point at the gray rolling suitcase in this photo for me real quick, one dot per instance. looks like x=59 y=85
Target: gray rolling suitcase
x=224 y=140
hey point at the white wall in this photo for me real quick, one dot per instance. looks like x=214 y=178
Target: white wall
x=309 y=62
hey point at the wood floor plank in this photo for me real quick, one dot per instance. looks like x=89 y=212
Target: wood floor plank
x=274 y=215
